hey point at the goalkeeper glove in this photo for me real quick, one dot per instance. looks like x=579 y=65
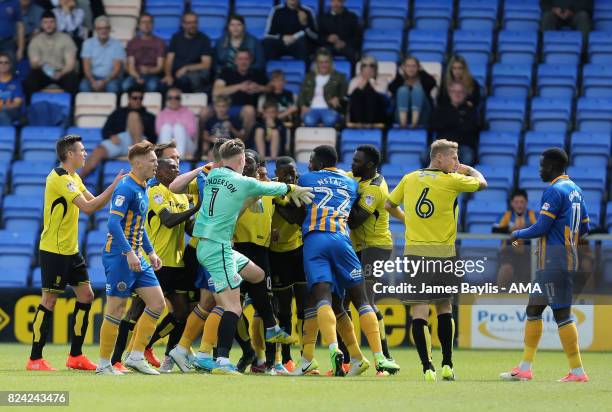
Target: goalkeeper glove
x=299 y=195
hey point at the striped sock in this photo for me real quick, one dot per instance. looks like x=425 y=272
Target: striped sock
x=257 y=339
x=568 y=334
x=310 y=331
x=345 y=328
x=108 y=336
x=533 y=333
x=145 y=328
x=327 y=322
x=193 y=326
x=369 y=326
x=211 y=330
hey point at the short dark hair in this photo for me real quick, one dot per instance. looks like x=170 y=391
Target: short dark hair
x=160 y=147
x=238 y=17
x=135 y=89
x=188 y=13
x=371 y=153
x=63 y=145
x=140 y=149
x=145 y=14
x=284 y=161
x=254 y=154
x=47 y=14
x=244 y=50
x=231 y=148
x=216 y=146
x=519 y=192
x=9 y=57
x=556 y=157
x=327 y=155
x=164 y=163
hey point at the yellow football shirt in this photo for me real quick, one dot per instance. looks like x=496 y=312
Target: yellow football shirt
x=169 y=243
x=374 y=232
x=61 y=217
x=429 y=198
x=285 y=236
x=255 y=224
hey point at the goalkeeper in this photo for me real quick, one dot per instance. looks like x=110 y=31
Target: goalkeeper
x=226 y=193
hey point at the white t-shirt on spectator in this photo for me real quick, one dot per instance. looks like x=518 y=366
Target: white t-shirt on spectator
x=318 y=101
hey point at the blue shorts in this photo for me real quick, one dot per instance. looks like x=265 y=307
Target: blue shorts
x=329 y=257
x=121 y=281
x=555 y=288
x=203 y=279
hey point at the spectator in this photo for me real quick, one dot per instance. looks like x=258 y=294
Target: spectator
x=145 y=57
x=178 y=123
x=31 y=14
x=70 y=20
x=288 y=28
x=514 y=262
x=284 y=99
x=235 y=38
x=576 y=14
x=458 y=121
x=367 y=100
x=322 y=92
x=102 y=58
x=457 y=71
x=270 y=132
x=220 y=124
x=119 y=121
x=411 y=92
x=243 y=85
x=340 y=32
x=12 y=37
x=11 y=93
x=52 y=58
x=189 y=60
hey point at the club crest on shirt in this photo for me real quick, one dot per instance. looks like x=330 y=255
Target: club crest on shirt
x=369 y=200
x=545 y=206
x=158 y=198
x=71 y=187
x=119 y=200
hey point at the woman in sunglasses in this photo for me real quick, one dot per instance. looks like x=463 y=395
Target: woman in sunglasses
x=177 y=122
x=367 y=101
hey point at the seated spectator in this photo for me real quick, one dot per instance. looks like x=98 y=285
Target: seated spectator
x=458 y=122
x=367 y=100
x=145 y=57
x=11 y=93
x=235 y=38
x=457 y=71
x=117 y=123
x=31 y=14
x=220 y=124
x=411 y=94
x=52 y=58
x=12 y=38
x=178 y=123
x=189 y=57
x=340 y=32
x=102 y=58
x=70 y=20
x=284 y=99
x=269 y=132
x=322 y=92
x=289 y=28
x=243 y=85
x=514 y=261
x=576 y=14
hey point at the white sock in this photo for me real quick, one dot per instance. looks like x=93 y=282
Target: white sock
x=260 y=362
x=104 y=363
x=223 y=361
x=333 y=346
x=305 y=361
x=180 y=350
x=204 y=355
x=524 y=366
x=578 y=371
x=135 y=355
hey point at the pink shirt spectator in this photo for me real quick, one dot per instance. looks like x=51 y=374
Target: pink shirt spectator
x=182 y=116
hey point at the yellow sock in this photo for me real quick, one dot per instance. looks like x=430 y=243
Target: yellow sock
x=108 y=336
x=569 y=340
x=211 y=328
x=257 y=338
x=381 y=329
x=278 y=356
x=298 y=327
x=369 y=326
x=327 y=322
x=144 y=329
x=242 y=329
x=345 y=328
x=533 y=333
x=193 y=326
x=310 y=331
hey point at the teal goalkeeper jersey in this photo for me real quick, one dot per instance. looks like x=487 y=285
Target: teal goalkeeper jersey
x=224 y=196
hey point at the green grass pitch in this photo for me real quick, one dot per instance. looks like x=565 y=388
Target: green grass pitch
x=477 y=388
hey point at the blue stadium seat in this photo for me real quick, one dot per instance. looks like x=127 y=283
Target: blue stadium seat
x=22 y=212
x=597 y=80
x=210 y=9
x=394 y=173
x=383 y=50
x=41 y=133
x=500 y=181
x=427 y=45
x=388 y=15
x=17 y=243
x=27 y=173
x=480 y=74
x=530 y=181
x=562 y=47
x=166 y=26
x=517 y=47
x=433 y=14
x=111 y=168
x=477 y=15
x=92 y=136
x=594 y=115
x=557 y=80
x=7 y=146
x=521 y=15
x=600 y=47
x=608 y=223
x=351 y=138
x=34 y=151
x=536 y=142
x=550 y=115
x=511 y=80
x=474 y=46
x=344 y=67
x=294 y=70
x=7 y=134
x=385 y=34
x=602 y=15
x=480 y=249
x=590 y=149
x=505 y=114
x=406 y=146
x=498 y=148
x=157 y=10
x=63 y=100
x=483 y=213
x=588 y=178
x=302 y=168
x=95 y=242
x=13 y=276
x=213 y=26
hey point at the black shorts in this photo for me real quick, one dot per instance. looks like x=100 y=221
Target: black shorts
x=173 y=280
x=57 y=271
x=191 y=272
x=259 y=255
x=369 y=255
x=287 y=268
x=432 y=282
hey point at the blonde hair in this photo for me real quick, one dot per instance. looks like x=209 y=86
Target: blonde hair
x=441 y=146
x=231 y=148
x=140 y=149
x=323 y=52
x=468 y=80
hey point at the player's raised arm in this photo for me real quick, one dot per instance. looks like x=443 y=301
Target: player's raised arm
x=90 y=204
x=180 y=184
x=470 y=171
x=160 y=204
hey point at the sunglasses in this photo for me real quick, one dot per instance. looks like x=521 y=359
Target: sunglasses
x=173 y=98
x=368 y=65
x=136 y=98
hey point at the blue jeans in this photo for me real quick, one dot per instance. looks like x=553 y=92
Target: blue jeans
x=413 y=99
x=328 y=117
x=151 y=82
x=114 y=86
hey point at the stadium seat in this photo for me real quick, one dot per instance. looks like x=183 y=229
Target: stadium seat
x=406 y=146
x=344 y=66
x=7 y=147
x=13 y=276
x=41 y=134
x=29 y=173
x=483 y=213
x=517 y=47
x=474 y=45
x=511 y=80
x=427 y=45
x=307 y=138
x=594 y=115
x=38 y=151
x=557 y=80
x=600 y=47
x=213 y=25
x=480 y=74
x=550 y=115
x=195 y=101
x=130 y=7
x=111 y=168
x=602 y=15
x=394 y=173
x=294 y=70
x=433 y=14
x=92 y=136
x=388 y=14
x=352 y=138
x=62 y=100
x=166 y=26
x=530 y=181
x=562 y=47
x=498 y=148
x=22 y=212
x=92 y=109
x=597 y=80
x=589 y=178
x=477 y=15
x=17 y=243
x=152 y=101
x=505 y=114
x=590 y=149
x=521 y=15
x=500 y=180
x=101 y=220
x=536 y=142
